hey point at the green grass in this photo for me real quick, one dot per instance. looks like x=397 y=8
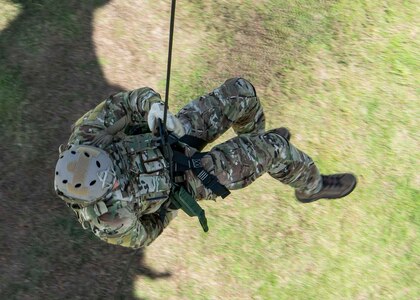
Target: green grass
x=9 y=12
x=12 y=94
x=345 y=83
x=10 y=82
x=343 y=76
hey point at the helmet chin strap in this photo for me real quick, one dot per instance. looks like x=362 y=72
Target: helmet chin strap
x=103 y=176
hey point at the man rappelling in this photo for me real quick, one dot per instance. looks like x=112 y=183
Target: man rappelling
x=130 y=164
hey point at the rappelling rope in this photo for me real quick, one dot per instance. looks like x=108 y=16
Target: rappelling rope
x=168 y=70
x=165 y=113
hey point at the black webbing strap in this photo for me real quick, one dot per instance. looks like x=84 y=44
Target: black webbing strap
x=184 y=163
x=193 y=141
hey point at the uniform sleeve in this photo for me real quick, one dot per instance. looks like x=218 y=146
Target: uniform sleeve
x=145 y=230
x=124 y=227
x=119 y=113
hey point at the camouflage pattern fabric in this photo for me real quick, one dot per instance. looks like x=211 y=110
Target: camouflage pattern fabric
x=130 y=217
x=239 y=161
x=233 y=104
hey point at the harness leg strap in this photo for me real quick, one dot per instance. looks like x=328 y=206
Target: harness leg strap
x=184 y=163
x=210 y=181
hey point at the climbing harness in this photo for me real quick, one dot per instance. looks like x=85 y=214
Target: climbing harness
x=184 y=163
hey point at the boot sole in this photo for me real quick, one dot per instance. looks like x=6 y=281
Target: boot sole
x=309 y=200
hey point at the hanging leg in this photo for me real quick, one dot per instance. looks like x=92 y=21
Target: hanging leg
x=233 y=104
x=239 y=161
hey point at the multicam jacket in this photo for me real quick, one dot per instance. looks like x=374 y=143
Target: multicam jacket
x=131 y=217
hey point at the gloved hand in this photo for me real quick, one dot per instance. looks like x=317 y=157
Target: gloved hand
x=103 y=139
x=172 y=123
x=106 y=136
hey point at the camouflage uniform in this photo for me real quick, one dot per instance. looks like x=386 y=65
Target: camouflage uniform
x=131 y=216
x=241 y=160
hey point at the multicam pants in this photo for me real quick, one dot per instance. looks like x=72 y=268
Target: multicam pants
x=239 y=161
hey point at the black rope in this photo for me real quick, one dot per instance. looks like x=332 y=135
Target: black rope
x=168 y=79
x=168 y=71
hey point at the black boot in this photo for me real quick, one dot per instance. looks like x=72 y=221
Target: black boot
x=333 y=187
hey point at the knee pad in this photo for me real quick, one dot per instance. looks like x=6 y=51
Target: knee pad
x=283 y=132
x=240 y=87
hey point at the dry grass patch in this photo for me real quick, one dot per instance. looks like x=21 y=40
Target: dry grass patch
x=341 y=75
x=131 y=38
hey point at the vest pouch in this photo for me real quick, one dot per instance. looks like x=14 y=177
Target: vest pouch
x=138 y=143
x=153 y=160
x=150 y=185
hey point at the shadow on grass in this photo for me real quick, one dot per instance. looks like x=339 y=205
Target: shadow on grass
x=49 y=77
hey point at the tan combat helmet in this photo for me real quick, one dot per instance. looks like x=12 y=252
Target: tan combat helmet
x=84 y=175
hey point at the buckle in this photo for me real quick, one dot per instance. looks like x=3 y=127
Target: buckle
x=203 y=175
x=196 y=163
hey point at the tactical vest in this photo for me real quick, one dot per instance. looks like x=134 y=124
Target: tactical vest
x=141 y=169
x=149 y=179
x=142 y=156
x=144 y=180
x=144 y=184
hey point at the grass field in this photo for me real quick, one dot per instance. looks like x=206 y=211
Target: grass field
x=343 y=76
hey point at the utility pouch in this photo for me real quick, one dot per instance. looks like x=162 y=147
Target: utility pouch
x=181 y=199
